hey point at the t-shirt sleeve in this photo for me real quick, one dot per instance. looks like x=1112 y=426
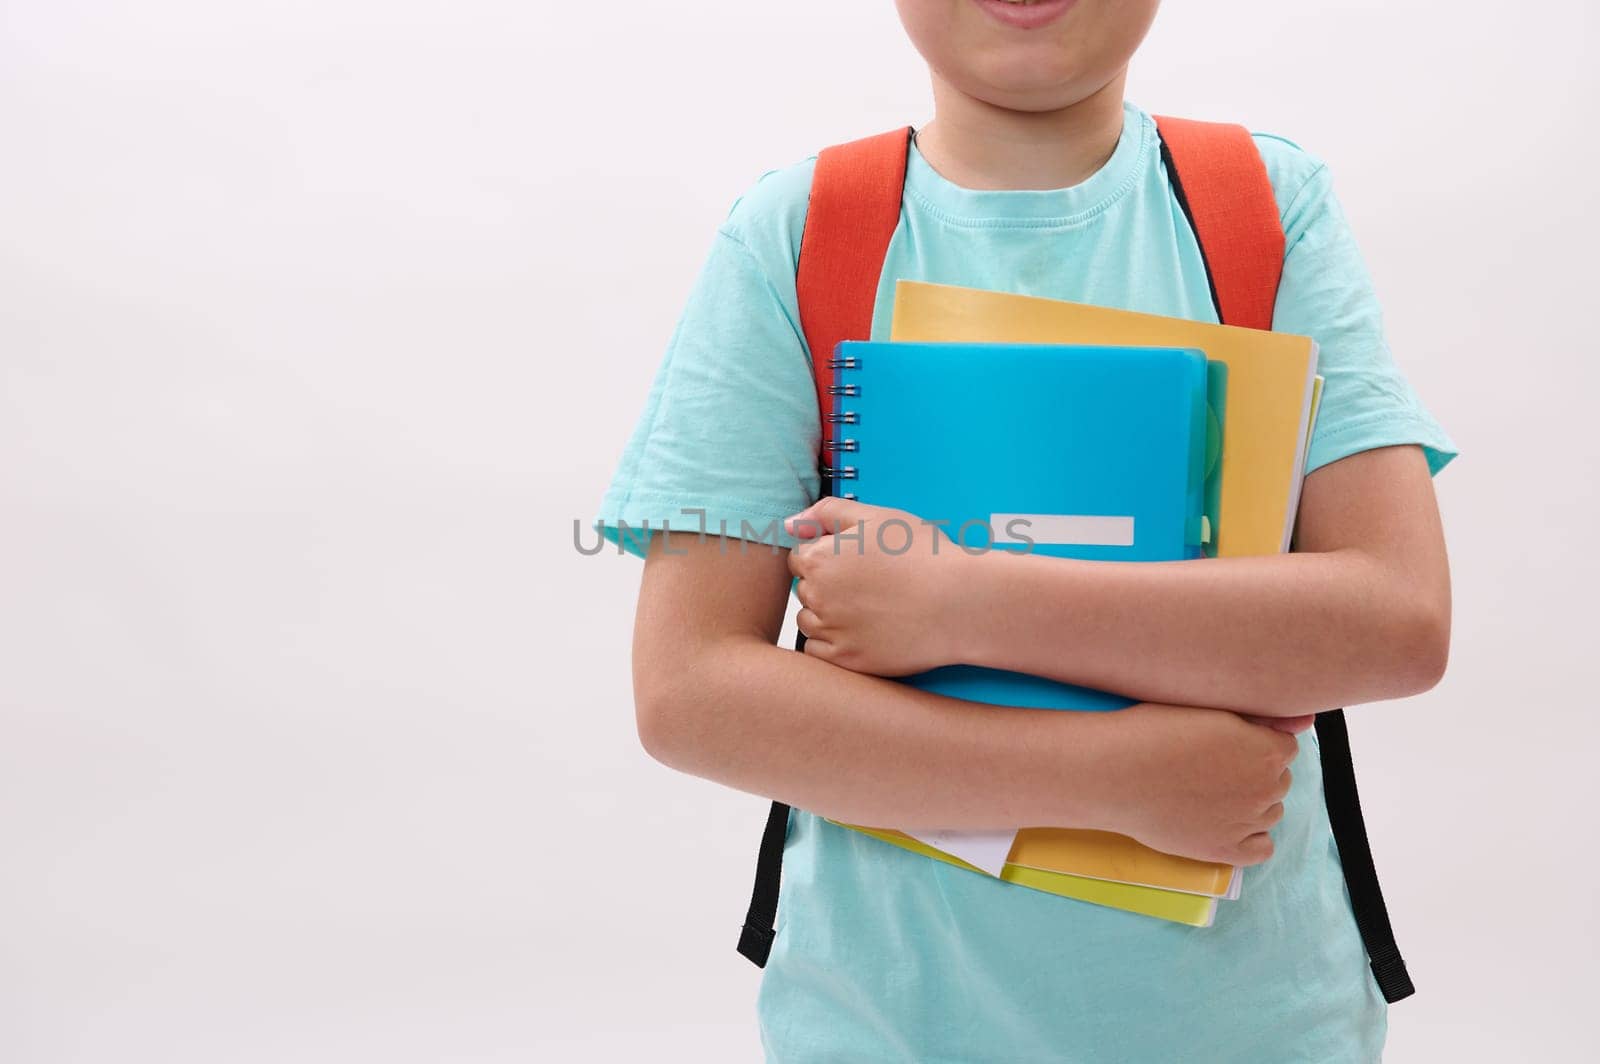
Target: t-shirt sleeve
x=1327 y=294
x=727 y=442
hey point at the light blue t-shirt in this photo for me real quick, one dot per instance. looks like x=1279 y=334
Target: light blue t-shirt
x=882 y=955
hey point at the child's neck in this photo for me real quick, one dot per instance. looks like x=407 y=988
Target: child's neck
x=975 y=144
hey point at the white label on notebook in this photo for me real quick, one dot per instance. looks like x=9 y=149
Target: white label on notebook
x=985 y=849
x=1074 y=530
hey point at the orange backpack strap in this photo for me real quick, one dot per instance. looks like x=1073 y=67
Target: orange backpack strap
x=1221 y=184
x=851 y=217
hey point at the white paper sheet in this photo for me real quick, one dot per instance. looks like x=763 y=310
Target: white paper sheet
x=985 y=849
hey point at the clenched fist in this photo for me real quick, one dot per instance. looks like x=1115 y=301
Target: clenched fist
x=1201 y=783
x=879 y=589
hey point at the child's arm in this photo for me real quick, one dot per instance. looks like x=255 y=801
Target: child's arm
x=1360 y=613
x=717 y=698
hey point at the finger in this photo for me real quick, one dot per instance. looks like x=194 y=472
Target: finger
x=803 y=557
x=809 y=624
x=1255 y=849
x=1284 y=782
x=1272 y=815
x=820 y=649
x=802 y=591
x=1288 y=747
x=830 y=515
x=1288 y=725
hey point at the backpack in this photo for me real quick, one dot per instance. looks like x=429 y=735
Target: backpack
x=1222 y=188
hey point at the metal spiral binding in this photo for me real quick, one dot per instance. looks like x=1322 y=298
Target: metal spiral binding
x=842 y=417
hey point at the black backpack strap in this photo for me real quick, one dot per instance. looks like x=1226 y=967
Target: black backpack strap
x=755 y=938
x=1355 y=854
x=1210 y=167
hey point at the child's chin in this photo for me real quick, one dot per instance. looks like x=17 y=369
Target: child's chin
x=1030 y=82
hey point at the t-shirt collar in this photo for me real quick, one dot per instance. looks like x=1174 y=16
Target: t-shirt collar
x=1033 y=207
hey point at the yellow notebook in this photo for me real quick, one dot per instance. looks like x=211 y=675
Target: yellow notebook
x=1196 y=910
x=1270 y=384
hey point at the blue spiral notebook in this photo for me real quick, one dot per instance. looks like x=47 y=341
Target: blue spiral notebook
x=1101 y=453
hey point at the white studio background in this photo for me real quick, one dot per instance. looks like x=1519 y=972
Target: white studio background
x=321 y=322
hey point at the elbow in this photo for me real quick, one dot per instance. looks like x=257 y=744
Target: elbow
x=658 y=717
x=1422 y=642
x=670 y=694
x=687 y=694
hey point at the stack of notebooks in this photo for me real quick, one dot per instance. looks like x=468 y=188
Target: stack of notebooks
x=1076 y=431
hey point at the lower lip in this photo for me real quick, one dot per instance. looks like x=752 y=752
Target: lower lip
x=1026 y=16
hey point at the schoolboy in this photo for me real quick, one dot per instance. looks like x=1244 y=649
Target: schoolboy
x=1033 y=176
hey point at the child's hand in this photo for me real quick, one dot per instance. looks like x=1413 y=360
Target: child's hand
x=1200 y=783
x=879 y=588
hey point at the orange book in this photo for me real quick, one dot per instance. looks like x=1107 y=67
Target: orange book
x=1106 y=855
x=1196 y=910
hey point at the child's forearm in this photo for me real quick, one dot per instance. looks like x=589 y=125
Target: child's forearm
x=1277 y=635
x=715 y=697
x=865 y=750
x=1361 y=613
x=1195 y=782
